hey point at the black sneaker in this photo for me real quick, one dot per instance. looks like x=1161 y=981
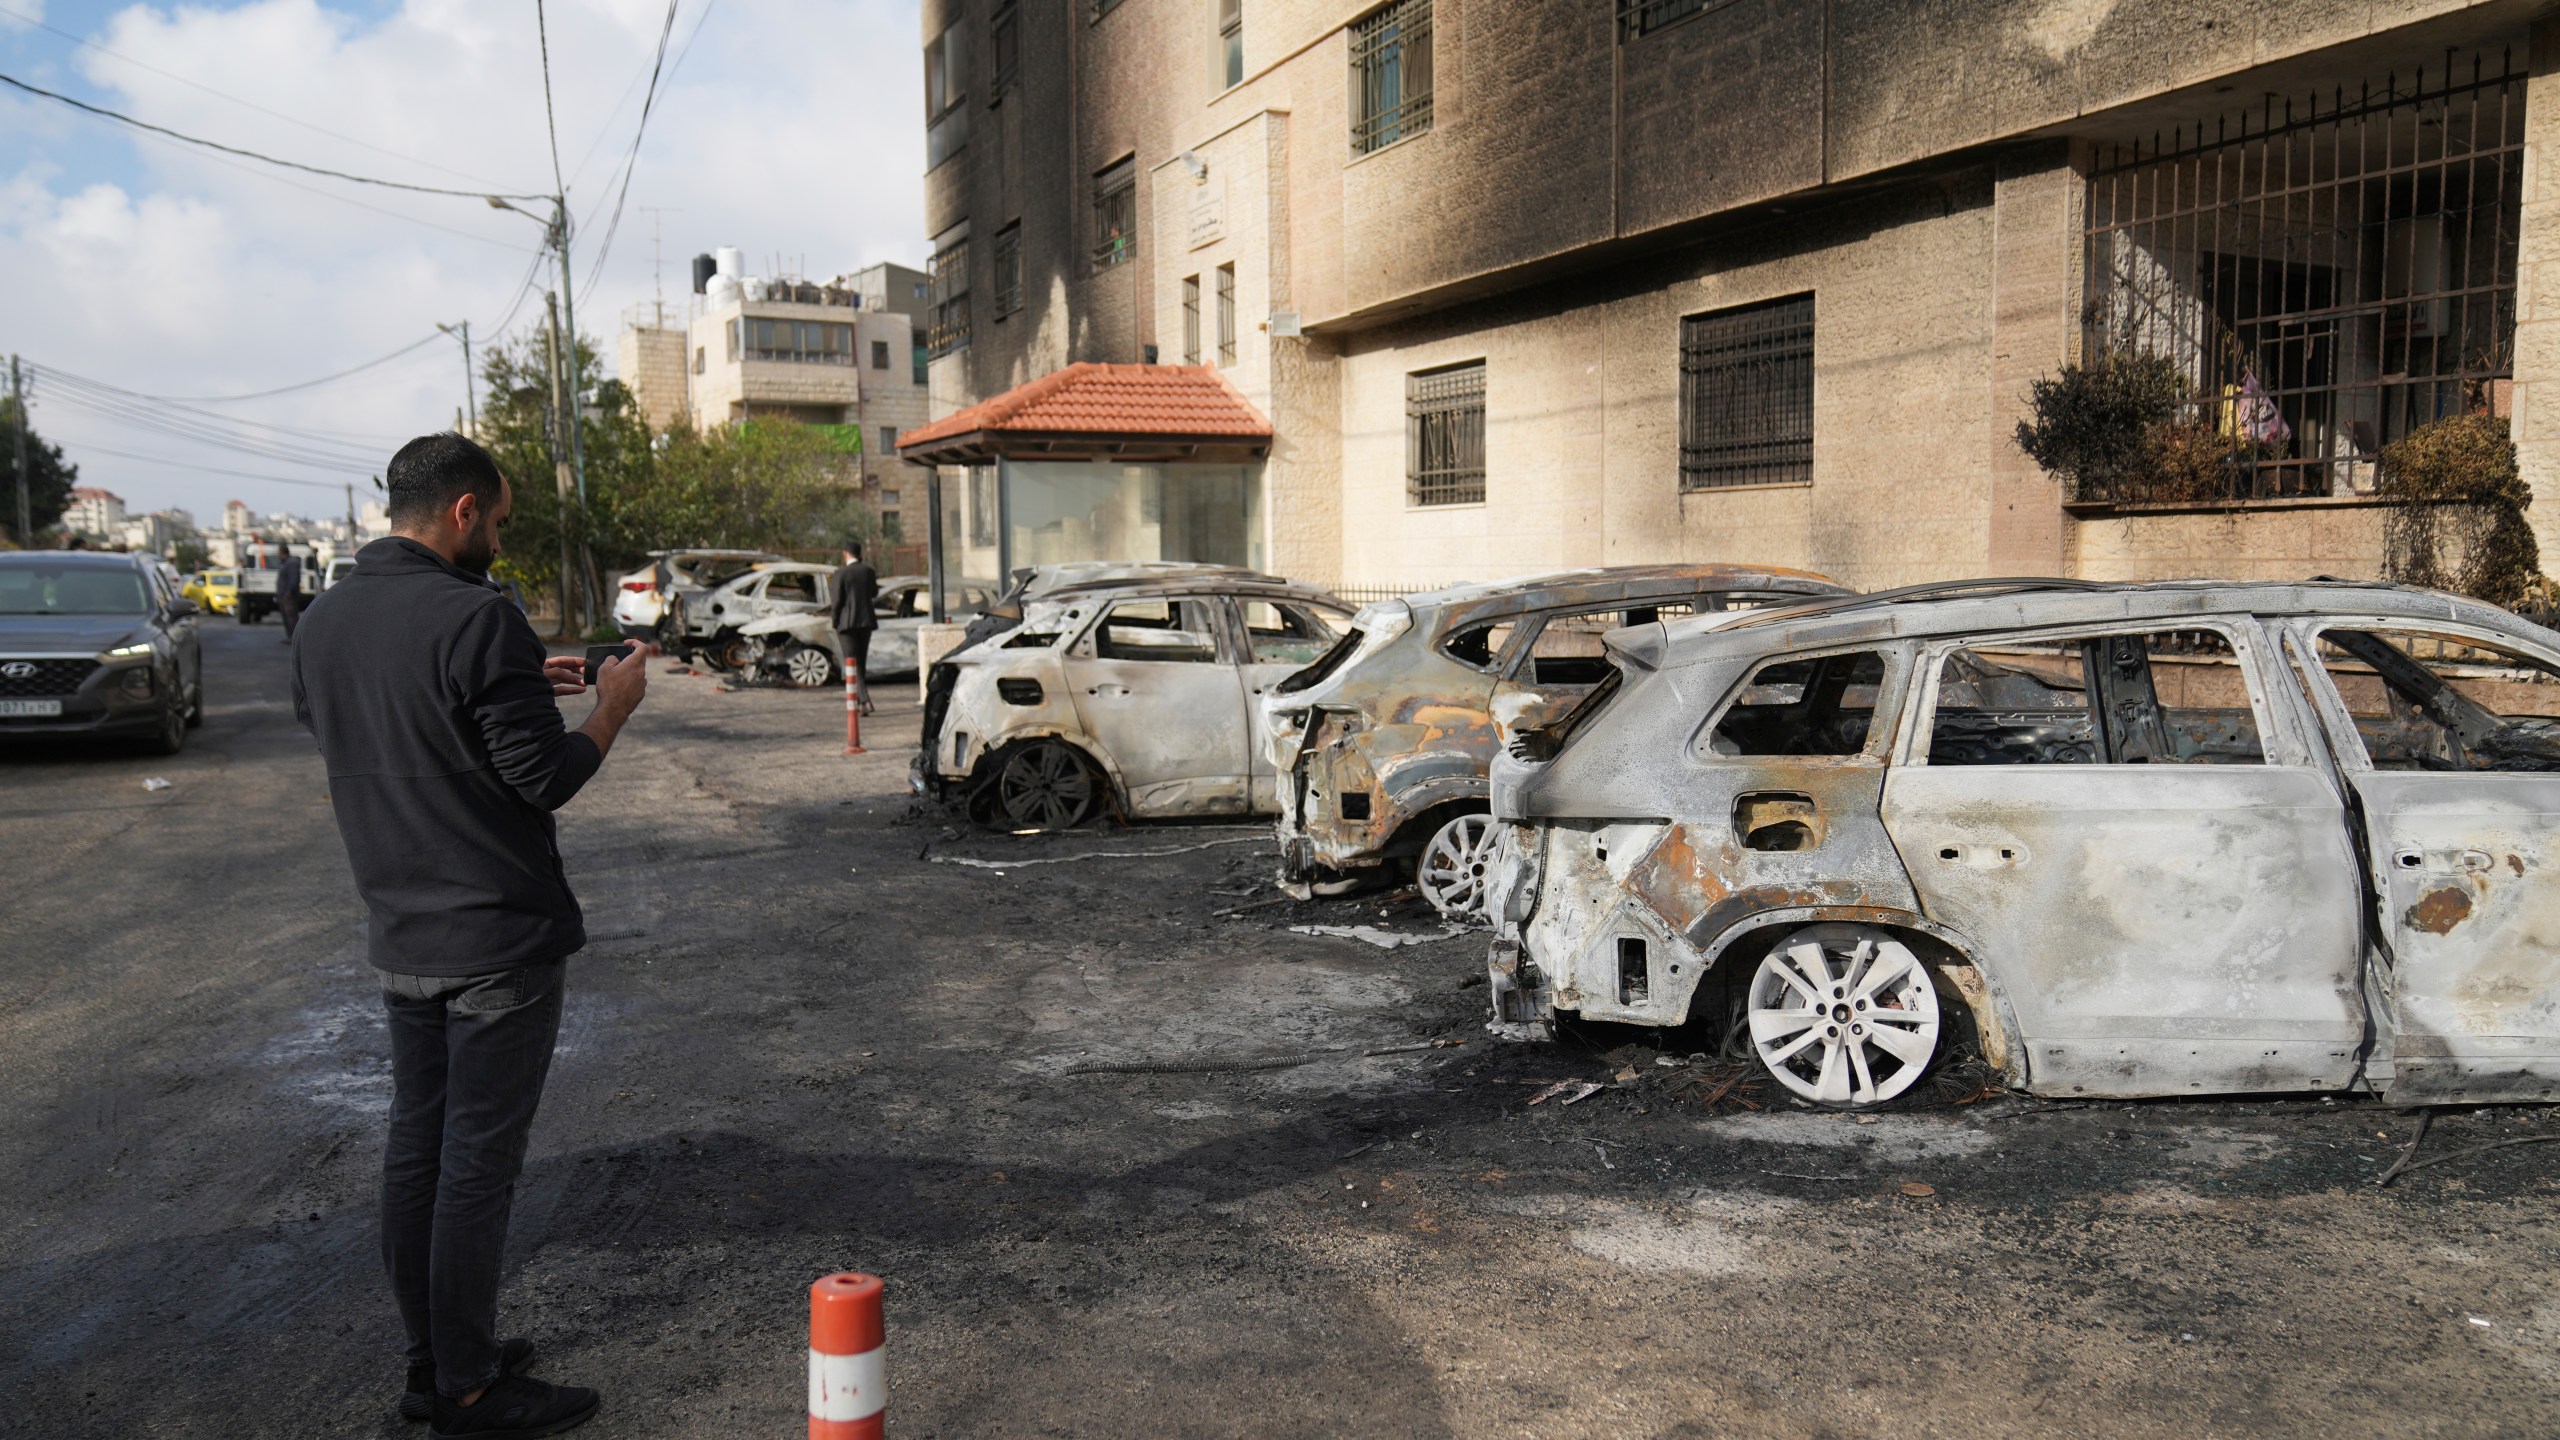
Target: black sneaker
x=515 y=1405
x=418 y=1401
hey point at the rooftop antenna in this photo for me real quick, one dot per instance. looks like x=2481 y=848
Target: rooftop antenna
x=657 y=259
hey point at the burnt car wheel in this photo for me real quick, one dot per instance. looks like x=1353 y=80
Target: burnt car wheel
x=1451 y=872
x=1844 y=1015
x=809 y=667
x=1043 y=786
x=737 y=652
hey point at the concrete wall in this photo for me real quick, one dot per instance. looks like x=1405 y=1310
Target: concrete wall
x=652 y=364
x=2291 y=541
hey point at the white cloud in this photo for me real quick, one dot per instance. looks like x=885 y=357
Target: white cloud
x=791 y=128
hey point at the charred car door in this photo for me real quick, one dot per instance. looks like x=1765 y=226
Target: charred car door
x=2451 y=740
x=1280 y=638
x=1154 y=682
x=2151 y=860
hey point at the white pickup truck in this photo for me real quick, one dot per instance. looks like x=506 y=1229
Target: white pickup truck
x=259 y=563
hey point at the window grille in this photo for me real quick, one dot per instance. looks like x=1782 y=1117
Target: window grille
x=1004 y=46
x=1643 y=17
x=1444 y=436
x=1008 y=269
x=1746 y=395
x=1226 y=314
x=950 y=271
x=2327 y=274
x=1231 y=42
x=1390 y=75
x=807 y=342
x=1115 y=214
x=1190 y=319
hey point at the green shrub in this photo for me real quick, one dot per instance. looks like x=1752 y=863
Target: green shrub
x=2095 y=424
x=2459 y=524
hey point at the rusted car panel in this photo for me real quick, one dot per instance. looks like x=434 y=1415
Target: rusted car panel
x=1377 y=746
x=1134 y=696
x=2164 y=839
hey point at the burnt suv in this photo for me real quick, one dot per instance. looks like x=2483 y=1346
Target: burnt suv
x=1382 y=744
x=97 y=644
x=2123 y=840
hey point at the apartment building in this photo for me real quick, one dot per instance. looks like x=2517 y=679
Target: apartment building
x=1526 y=285
x=97 y=513
x=846 y=355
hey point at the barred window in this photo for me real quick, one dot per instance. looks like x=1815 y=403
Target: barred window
x=1643 y=17
x=950 y=270
x=1227 y=314
x=1008 y=269
x=1444 y=435
x=1746 y=395
x=2325 y=272
x=1115 y=214
x=1004 y=40
x=1190 y=319
x=1390 y=75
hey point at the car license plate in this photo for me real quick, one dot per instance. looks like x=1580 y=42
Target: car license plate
x=29 y=708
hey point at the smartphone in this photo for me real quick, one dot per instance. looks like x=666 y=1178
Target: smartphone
x=598 y=654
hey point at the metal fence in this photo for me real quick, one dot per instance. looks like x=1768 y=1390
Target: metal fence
x=2328 y=273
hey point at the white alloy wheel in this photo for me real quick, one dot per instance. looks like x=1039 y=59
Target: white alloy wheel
x=1844 y=1015
x=1451 y=874
x=809 y=667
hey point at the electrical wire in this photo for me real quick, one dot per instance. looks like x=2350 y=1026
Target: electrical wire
x=124 y=119
x=631 y=161
x=89 y=44
x=289 y=389
x=86 y=448
x=328 y=454
x=178 y=412
x=550 y=121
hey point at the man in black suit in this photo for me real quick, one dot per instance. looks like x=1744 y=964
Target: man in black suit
x=856 y=586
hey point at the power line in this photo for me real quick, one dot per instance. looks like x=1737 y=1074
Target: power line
x=314 y=453
x=550 y=121
x=631 y=161
x=181 y=412
x=289 y=389
x=88 y=449
x=270 y=159
x=89 y=44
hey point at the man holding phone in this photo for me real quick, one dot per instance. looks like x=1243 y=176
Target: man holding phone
x=437 y=715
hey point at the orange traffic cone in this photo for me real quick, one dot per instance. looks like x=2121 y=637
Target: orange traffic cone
x=853 y=712
x=847 y=1390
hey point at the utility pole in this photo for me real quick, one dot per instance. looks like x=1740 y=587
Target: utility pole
x=560 y=415
x=577 y=401
x=470 y=397
x=18 y=395
x=354 y=536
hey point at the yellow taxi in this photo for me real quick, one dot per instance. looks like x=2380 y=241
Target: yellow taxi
x=217 y=591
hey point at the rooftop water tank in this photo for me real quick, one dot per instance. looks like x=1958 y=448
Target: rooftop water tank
x=732 y=264
x=704 y=267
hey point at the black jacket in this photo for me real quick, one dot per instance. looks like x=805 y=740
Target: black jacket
x=446 y=756
x=856 y=586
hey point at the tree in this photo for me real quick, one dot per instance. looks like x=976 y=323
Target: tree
x=49 y=477
x=2097 y=426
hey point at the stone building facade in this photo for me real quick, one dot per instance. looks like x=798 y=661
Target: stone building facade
x=1544 y=283
x=846 y=354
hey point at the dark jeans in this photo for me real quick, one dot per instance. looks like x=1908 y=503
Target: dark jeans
x=468 y=1057
x=857 y=653
x=292 y=613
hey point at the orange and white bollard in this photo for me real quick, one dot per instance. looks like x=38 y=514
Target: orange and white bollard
x=852 y=712
x=847 y=1389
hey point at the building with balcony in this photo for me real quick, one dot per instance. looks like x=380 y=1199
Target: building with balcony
x=98 y=514
x=846 y=354
x=1547 y=283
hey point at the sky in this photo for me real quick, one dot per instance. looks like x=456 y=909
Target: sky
x=788 y=128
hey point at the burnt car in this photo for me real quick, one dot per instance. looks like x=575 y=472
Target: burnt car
x=2124 y=840
x=1382 y=745
x=1132 y=695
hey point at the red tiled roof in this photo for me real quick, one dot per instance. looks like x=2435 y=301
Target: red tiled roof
x=1147 y=402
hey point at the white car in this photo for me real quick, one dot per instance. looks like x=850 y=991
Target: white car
x=800 y=648
x=647 y=600
x=715 y=626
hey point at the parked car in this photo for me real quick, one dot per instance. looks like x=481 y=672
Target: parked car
x=221 y=591
x=340 y=567
x=1383 y=743
x=801 y=648
x=1139 y=695
x=648 y=602
x=715 y=623
x=97 y=644
x=2127 y=840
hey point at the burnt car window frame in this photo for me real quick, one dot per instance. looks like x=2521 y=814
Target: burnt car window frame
x=1088 y=642
x=2277 y=745
x=1883 y=726
x=1532 y=626
x=2345 y=743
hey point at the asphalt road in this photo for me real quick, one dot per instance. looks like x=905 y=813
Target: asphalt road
x=804 y=1040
